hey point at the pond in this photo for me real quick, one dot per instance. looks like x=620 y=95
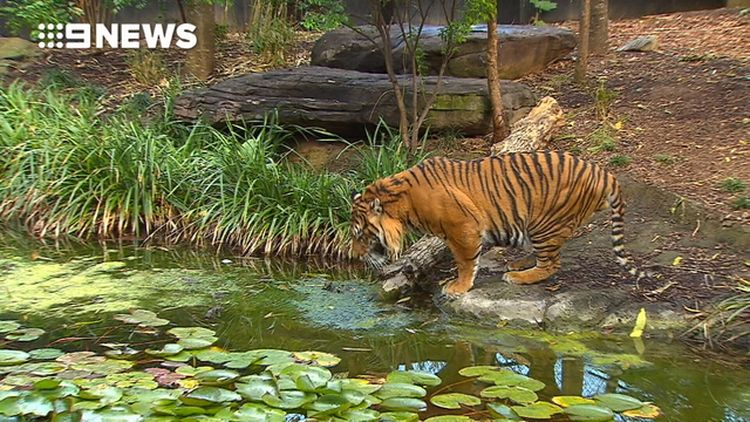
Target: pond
x=76 y=292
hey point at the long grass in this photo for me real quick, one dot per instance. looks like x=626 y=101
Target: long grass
x=65 y=169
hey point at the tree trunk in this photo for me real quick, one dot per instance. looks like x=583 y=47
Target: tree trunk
x=499 y=126
x=201 y=59
x=583 y=42
x=418 y=262
x=599 y=36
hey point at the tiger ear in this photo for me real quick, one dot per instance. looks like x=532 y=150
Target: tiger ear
x=375 y=206
x=355 y=195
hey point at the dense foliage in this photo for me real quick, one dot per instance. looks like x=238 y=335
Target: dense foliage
x=67 y=169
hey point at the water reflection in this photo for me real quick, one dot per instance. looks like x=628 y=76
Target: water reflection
x=255 y=303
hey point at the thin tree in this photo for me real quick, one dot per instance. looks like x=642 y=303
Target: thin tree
x=583 y=42
x=201 y=59
x=599 y=31
x=500 y=128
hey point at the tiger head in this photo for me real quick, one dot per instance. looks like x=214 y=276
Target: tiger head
x=376 y=235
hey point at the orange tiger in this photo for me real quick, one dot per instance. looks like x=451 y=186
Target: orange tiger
x=535 y=199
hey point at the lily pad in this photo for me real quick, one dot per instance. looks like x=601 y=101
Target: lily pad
x=45 y=354
x=449 y=418
x=328 y=404
x=478 y=371
x=194 y=337
x=361 y=415
x=588 y=413
x=648 y=411
x=399 y=417
x=255 y=387
x=538 y=410
x=567 y=401
x=502 y=411
x=414 y=377
x=273 y=356
x=307 y=378
x=25 y=334
x=168 y=349
x=213 y=355
x=355 y=384
x=317 y=358
x=217 y=377
x=206 y=396
x=405 y=404
x=12 y=357
x=291 y=399
x=260 y=413
x=518 y=395
x=190 y=371
x=455 y=400
x=8 y=326
x=142 y=317
x=618 y=402
x=512 y=379
x=391 y=390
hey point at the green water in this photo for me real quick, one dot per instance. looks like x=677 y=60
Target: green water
x=73 y=291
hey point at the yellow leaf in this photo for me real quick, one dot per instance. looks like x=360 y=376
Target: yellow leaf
x=188 y=383
x=640 y=324
x=618 y=125
x=648 y=411
x=677 y=261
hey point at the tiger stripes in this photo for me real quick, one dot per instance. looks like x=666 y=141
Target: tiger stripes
x=535 y=200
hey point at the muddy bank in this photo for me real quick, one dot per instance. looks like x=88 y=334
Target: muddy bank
x=692 y=253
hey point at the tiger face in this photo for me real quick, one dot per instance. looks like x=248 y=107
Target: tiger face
x=371 y=241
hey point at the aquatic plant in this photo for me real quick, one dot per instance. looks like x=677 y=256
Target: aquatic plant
x=191 y=378
x=67 y=167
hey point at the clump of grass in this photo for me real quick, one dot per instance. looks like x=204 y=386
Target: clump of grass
x=620 y=160
x=59 y=78
x=741 y=203
x=732 y=185
x=66 y=170
x=270 y=32
x=147 y=67
x=604 y=98
x=602 y=140
x=664 y=158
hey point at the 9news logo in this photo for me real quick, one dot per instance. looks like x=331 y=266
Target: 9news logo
x=124 y=35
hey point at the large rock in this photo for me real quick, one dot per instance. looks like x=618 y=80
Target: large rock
x=523 y=49
x=346 y=101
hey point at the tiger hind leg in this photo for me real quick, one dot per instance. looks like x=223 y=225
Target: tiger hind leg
x=524 y=263
x=547 y=264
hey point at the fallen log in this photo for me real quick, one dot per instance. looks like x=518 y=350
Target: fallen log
x=343 y=101
x=418 y=263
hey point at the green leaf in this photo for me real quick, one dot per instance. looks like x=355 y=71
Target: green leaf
x=190 y=371
x=260 y=413
x=500 y=410
x=567 y=401
x=213 y=355
x=477 y=371
x=618 y=402
x=454 y=400
x=360 y=415
x=46 y=384
x=168 y=349
x=192 y=343
x=317 y=358
x=25 y=334
x=8 y=326
x=404 y=404
x=512 y=379
x=194 y=337
x=307 y=378
x=398 y=389
x=538 y=410
x=45 y=354
x=355 y=384
x=217 y=377
x=328 y=404
x=273 y=356
x=254 y=387
x=289 y=399
x=206 y=396
x=449 y=418
x=518 y=395
x=399 y=417
x=588 y=413
x=12 y=357
x=414 y=377
x=142 y=317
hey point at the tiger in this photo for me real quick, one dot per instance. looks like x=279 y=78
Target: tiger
x=532 y=199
